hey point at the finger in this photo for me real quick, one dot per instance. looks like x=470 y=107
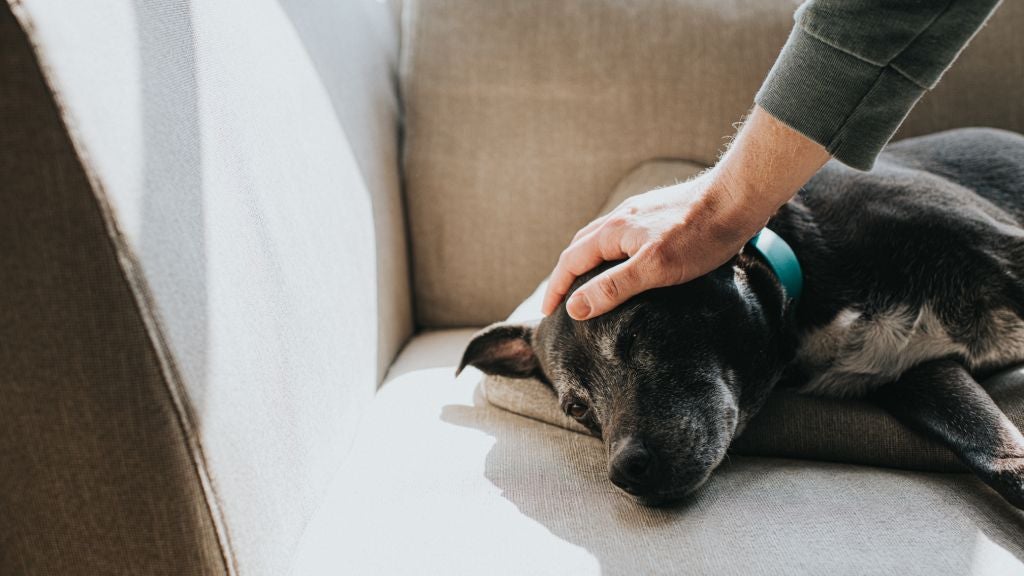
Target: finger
x=553 y=297
x=614 y=286
x=579 y=258
x=551 y=301
x=575 y=260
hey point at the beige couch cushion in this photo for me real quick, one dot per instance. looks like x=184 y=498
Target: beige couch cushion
x=790 y=424
x=477 y=490
x=521 y=117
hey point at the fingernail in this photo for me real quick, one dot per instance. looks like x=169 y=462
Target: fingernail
x=580 y=306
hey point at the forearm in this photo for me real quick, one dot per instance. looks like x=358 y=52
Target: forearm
x=851 y=70
x=672 y=235
x=764 y=167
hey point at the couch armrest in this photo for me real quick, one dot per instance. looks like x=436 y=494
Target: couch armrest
x=197 y=251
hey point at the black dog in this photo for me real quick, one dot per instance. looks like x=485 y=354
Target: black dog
x=913 y=287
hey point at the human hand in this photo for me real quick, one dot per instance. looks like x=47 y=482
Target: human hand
x=670 y=235
x=676 y=234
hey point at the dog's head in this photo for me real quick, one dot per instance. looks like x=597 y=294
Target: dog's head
x=667 y=379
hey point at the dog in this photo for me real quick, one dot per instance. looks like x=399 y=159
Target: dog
x=913 y=290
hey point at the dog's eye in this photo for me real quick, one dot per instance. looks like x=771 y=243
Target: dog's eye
x=577 y=410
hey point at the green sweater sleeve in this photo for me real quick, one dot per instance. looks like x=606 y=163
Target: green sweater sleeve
x=851 y=70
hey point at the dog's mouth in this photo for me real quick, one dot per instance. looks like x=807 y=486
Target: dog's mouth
x=658 y=501
x=669 y=497
x=674 y=494
x=666 y=499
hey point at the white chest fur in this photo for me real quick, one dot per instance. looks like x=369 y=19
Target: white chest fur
x=855 y=353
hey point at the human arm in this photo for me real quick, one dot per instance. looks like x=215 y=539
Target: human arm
x=678 y=233
x=851 y=70
x=845 y=80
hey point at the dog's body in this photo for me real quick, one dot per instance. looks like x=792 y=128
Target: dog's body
x=919 y=259
x=913 y=286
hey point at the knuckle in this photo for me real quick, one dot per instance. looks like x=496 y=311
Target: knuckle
x=634 y=274
x=616 y=221
x=607 y=246
x=658 y=266
x=608 y=287
x=657 y=254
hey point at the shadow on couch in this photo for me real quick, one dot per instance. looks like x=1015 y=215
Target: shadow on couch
x=774 y=514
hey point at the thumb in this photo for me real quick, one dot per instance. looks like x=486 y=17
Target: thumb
x=604 y=292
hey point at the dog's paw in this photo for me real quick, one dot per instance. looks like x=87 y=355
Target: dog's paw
x=1006 y=476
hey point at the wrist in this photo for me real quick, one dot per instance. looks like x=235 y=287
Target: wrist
x=733 y=211
x=763 y=169
x=756 y=182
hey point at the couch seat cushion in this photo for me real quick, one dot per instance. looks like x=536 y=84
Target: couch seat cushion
x=441 y=482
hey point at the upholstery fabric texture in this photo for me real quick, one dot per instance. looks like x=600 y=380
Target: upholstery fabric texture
x=521 y=117
x=477 y=490
x=790 y=425
x=247 y=167
x=354 y=47
x=96 y=472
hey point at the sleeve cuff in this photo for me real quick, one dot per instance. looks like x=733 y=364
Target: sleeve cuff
x=848 y=105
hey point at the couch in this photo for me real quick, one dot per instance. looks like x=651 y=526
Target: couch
x=243 y=244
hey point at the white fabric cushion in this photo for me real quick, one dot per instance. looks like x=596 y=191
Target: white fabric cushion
x=441 y=482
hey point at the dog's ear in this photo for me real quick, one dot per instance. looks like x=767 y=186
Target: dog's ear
x=502 y=349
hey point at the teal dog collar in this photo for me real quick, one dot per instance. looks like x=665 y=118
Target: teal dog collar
x=782 y=260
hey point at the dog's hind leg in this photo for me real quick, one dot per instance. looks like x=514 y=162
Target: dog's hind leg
x=941 y=399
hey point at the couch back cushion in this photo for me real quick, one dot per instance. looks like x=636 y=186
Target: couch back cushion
x=522 y=116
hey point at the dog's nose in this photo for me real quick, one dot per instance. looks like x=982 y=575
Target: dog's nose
x=632 y=467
